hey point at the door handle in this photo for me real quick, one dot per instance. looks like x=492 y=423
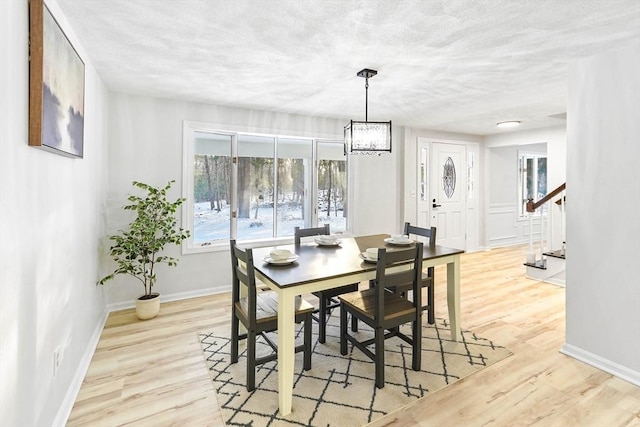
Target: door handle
x=435 y=205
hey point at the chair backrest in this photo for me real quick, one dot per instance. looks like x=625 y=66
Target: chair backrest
x=243 y=272
x=429 y=233
x=306 y=232
x=413 y=275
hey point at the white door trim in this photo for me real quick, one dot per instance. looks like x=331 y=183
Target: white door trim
x=472 y=223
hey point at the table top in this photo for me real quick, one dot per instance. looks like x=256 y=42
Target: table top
x=325 y=262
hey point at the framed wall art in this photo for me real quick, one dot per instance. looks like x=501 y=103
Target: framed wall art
x=56 y=86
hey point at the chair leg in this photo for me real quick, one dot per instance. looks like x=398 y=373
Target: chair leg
x=307 y=341
x=343 y=329
x=322 y=320
x=379 y=344
x=417 y=344
x=251 y=360
x=235 y=326
x=354 y=323
x=431 y=315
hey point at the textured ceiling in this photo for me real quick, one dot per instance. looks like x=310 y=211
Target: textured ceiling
x=459 y=66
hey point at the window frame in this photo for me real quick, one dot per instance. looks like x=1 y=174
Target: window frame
x=523 y=156
x=190 y=128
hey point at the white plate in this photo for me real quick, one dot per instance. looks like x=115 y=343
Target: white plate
x=398 y=242
x=325 y=243
x=291 y=259
x=364 y=256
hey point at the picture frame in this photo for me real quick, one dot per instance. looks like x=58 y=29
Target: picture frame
x=56 y=86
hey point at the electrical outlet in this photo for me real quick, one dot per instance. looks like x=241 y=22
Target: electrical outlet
x=57 y=360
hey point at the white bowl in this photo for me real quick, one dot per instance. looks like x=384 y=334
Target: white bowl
x=327 y=239
x=372 y=253
x=400 y=237
x=399 y=240
x=280 y=254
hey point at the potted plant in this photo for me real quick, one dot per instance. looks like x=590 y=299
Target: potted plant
x=137 y=251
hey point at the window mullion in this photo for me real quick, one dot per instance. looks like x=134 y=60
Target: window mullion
x=234 y=186
x=314 y=184
x=275 y=187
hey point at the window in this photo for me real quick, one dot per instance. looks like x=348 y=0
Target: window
x=211 y=189
x=259 y=187
x=255 y=187
x=332 y=186
x=532 y=179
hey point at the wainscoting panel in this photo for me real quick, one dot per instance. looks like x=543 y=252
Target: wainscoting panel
x=505 y=228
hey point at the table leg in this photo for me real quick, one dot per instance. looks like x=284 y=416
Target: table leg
x=453 y=297
x=286 y=349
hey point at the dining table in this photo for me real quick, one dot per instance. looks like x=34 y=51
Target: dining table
x=319 y=267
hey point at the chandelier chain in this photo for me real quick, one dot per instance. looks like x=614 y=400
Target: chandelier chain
x=366 y=99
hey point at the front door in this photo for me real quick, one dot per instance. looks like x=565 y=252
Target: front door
x=448 y=193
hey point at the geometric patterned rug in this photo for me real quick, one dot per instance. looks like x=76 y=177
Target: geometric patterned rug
x=340 y=390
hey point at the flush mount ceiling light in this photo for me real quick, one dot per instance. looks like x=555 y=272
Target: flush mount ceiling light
x=509 y=124
x=367 y=137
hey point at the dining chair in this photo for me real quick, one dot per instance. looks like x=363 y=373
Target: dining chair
x=258 y=312
x=384 y=310
x=428 y=277
x=326 y=298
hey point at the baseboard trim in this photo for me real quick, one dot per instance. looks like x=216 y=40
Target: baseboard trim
x=74 y=388
x=601 y=363
x=172 y=297
x=550 y=280
x=555 y=281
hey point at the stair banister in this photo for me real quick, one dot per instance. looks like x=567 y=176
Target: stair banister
x=531 y=208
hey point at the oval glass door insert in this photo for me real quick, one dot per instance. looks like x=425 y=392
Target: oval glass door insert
x=449 y=177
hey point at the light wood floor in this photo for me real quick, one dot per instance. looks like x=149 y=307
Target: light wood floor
x=152 y=372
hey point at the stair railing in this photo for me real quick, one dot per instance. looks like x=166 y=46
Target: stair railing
x=536 y=257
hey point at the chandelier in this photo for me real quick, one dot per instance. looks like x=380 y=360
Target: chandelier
x=367 y=137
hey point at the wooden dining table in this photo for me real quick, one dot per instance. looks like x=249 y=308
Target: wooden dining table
x=324 y=267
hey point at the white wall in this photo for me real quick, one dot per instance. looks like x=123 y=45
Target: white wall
x=503 y=226
x=51 y=220
x=556 y=140
x=146 y=145
x=377 y=201
x=603 y=222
